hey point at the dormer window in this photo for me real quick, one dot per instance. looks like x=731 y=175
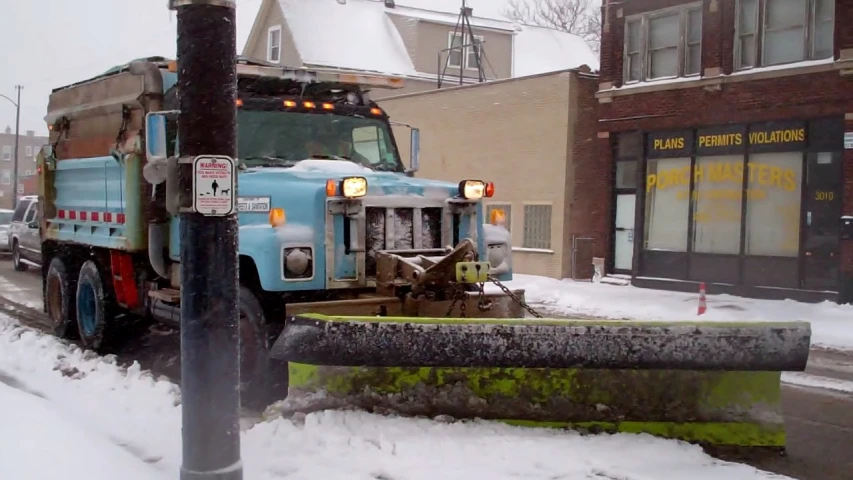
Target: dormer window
x=274 y=44
x=464 y=53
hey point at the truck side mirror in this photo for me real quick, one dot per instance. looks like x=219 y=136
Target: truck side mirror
x=415 y=145
x=155 y=136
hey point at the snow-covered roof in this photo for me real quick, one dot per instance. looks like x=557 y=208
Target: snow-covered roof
x=487 y=9
x=353 y=35
x=359 y=34
x=541 y=50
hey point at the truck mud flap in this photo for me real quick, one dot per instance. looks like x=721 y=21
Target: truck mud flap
x=710 y=383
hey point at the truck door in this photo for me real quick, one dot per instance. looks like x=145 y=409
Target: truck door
x=30 y=239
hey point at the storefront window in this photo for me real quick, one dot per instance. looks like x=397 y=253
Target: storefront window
x=773 y=204
x=667 y=205
x=626 y=174
x=717 y=195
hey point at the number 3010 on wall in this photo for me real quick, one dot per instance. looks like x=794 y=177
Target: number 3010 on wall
x=824 y=196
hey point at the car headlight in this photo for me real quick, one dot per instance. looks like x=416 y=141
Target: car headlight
x=472 y=189
x=353 y=187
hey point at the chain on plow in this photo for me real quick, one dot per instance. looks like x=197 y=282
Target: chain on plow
x=515 y=297
x=459 y=294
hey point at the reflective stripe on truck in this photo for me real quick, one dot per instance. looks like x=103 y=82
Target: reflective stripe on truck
x=86 y=216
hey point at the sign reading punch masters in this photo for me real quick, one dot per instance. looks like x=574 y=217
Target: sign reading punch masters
x=726 y=172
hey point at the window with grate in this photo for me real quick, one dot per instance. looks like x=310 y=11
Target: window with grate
x=537 y=227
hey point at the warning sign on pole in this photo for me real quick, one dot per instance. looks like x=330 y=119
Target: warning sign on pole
x=213 y=185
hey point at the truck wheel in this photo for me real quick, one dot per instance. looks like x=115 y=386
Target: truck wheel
x=91 y=306
x=59 y=296
x=19 y=265
x=254 y=352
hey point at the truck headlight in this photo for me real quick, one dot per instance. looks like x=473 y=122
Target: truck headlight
x=353 y=187
x=472 y=189
x=298 y=263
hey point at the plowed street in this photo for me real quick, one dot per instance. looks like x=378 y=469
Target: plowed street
x=819 y=421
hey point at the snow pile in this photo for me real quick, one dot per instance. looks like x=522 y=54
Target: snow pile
x=60 y=406
x=832 y=324
x=814 y=381
x=37 y=443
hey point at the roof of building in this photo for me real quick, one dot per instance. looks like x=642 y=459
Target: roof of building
x=540 y=50
x=353 y=34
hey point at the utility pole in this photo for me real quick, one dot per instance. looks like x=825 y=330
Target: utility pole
x=17 y=139
x=207 y=134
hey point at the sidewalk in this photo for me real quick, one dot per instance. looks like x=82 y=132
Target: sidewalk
x=832 y=324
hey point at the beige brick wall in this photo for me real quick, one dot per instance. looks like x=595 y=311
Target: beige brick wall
x=411 y=86
x=512 y=132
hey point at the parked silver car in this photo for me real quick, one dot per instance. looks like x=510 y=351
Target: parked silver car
x=5 y=221
x=24 y=238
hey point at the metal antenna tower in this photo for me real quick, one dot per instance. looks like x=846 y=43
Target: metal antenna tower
x=468 y=40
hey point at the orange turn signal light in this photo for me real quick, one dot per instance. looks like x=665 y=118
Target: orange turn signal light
x=328 y=106
x=239 y=102
x=289 y=103
x=331 y=188
x=497 y=217
x=309 y=104
x=376 y=111
x=277 y=217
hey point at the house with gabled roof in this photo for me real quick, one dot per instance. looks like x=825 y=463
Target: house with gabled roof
x=412 y=39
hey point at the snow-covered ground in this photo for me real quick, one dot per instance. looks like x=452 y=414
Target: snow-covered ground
x=72 y=415
x=832 y=324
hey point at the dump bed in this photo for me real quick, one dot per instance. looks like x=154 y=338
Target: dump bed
x=93 y=191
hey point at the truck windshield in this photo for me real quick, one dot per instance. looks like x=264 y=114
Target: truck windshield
x=275 y=138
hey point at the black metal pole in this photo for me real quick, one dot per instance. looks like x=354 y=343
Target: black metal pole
x=17 y=138
x=207 y=125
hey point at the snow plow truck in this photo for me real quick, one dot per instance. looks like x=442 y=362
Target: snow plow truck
x=363 y=285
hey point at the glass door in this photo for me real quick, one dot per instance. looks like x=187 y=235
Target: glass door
x=822 y=209
x=624 y=241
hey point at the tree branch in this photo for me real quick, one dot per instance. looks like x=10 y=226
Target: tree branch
x=578 y=17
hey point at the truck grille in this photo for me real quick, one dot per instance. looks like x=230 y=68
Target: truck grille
x=402 y=225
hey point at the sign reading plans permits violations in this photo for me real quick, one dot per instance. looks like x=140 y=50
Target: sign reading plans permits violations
x=213 y=185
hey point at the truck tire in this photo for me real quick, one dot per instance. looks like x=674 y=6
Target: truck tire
x=59 y=299
x=19 y=265
x=91 y=300
x=254 y=353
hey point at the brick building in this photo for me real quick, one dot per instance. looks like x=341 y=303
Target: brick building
x=534 y=137
x=724 y=122
x=29 y=145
